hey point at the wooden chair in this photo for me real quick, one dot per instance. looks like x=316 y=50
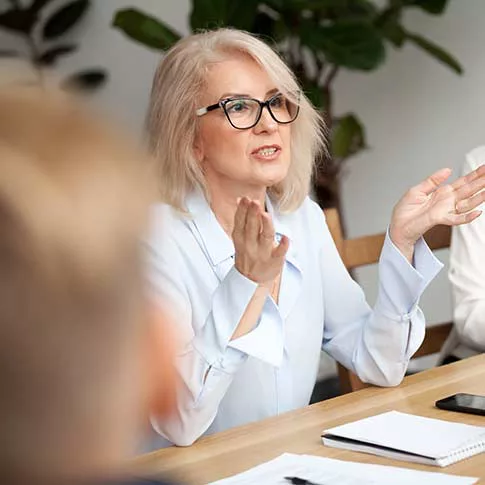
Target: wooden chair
x=366 y=250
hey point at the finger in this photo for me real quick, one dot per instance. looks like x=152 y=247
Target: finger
x=467 y=205
x=240 y=218
x=460 y=219
x=267 y=229
x=429 y=185
x=279 y=252
x=253 y=222
x=471 y=216
x=466 y=179
x=267 y=235
x=470 y=188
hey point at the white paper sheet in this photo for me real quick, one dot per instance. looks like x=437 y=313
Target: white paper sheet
x=326 y=471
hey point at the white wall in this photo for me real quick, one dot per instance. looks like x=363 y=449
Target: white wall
x=130 y=65
x=419 y=116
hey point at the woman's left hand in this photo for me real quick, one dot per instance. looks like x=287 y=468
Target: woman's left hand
x=430 y=203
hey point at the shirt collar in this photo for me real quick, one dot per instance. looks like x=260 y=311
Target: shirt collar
x=280 y=228
x=283 y=229
x=218 y=244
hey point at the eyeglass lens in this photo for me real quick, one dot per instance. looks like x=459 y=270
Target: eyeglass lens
x=245 y=112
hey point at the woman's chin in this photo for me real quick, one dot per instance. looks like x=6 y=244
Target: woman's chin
x=274 y=176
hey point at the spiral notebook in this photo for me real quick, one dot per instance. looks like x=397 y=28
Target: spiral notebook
x=409 y=437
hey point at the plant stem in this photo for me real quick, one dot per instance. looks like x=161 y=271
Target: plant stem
x=327 y=94
x=330 y=77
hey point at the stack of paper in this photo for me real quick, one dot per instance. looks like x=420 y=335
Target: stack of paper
x=327 y=471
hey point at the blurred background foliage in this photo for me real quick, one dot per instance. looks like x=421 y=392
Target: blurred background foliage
x=317 y=38
x=41 y=26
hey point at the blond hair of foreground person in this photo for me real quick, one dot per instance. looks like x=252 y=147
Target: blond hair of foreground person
x=81 y=357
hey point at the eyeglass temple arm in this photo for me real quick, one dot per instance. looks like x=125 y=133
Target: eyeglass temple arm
x=203 y=111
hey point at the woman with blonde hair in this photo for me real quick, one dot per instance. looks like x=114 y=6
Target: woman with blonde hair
x=250 y=266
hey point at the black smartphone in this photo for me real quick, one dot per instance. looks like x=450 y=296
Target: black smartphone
x=463 y=403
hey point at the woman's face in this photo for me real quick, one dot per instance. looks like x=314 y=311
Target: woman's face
x=241 y=160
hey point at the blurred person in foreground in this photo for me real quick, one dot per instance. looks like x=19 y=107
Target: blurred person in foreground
x=467 y=278
x=82 y=358
x=248 y=258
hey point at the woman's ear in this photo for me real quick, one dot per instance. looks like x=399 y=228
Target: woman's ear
x=198 y=150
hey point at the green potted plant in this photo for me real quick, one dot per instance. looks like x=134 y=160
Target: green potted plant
x=41 y=30
x=317 y=38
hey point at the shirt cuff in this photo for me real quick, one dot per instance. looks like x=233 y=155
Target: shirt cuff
x=400 y=283
x=228 y=306
x=266 y=341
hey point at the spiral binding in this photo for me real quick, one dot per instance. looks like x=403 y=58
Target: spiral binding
x=466 y=451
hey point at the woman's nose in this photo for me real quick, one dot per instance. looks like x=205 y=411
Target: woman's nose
x=266 y=123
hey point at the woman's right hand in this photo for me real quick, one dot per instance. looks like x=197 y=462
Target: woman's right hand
x=257 y=256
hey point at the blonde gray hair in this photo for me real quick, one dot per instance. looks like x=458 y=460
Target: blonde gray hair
x=172 y=125
x=74 y=198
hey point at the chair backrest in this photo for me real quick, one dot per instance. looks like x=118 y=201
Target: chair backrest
x=366 y=250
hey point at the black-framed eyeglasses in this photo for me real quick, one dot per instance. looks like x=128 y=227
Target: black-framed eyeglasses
x=244 y=113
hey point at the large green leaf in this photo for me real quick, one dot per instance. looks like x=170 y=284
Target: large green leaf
x=242 y=14
x=38 y=5
x=85 y=81
x=435 y=51
x=355 y=9
x=18 y=21
x=389 y=24
x=346 y=8
x=145 y=29
x=302 y=4
x=264 y=25
x=348 y=136
x=394 y=33
x=209 y=14
x=22 y=20
x=353 y=44
x=65 y=18
x=315 y=93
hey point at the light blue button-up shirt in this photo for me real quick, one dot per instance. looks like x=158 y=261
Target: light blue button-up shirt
x=273 y=368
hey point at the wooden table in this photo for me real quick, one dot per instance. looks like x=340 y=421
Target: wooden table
x=224 y=454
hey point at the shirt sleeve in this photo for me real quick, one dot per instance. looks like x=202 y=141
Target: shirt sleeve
x=376 y=343
x=401 y=284
x=208 y=358
x=467 y=272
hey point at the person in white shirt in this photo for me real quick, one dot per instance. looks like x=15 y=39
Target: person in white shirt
x=467 y=277
x=250 y=268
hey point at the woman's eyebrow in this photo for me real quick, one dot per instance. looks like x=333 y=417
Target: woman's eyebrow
x=246 y=95
x=235 y=95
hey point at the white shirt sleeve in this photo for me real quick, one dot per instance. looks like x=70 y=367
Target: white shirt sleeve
x=208 y=359
x=467 y=272
x=377 y=343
